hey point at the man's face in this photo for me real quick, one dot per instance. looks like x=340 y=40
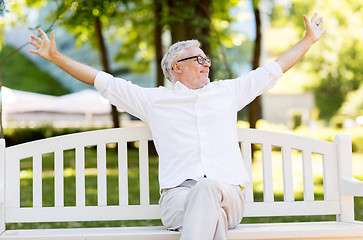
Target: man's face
x=189 y=72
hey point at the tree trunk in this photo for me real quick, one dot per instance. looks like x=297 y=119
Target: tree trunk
x=254 y=107
x=184 y=26
x=105 y=65
x=158 y=42
x=203 y=11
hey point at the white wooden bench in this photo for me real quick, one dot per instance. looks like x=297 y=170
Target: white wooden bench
x=339 y=188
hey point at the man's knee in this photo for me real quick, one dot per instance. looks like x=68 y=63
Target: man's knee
x=172 y=207
x=207 y=187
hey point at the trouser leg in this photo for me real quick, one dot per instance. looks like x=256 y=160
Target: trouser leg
x=210 y=209
x=172 y=207
x=204 y=211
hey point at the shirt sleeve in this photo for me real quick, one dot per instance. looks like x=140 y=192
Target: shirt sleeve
x=123 y=94
x=248 y=87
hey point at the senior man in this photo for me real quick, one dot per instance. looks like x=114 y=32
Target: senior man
x=201 y=172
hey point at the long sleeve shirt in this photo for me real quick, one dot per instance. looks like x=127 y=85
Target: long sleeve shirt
x=194 y=131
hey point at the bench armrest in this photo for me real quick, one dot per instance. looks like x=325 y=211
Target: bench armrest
x=2 y=194
x=351 y=186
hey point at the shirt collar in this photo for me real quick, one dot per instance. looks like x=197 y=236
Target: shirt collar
x=180 y=86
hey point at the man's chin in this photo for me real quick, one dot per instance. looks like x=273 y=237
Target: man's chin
x=205 y=82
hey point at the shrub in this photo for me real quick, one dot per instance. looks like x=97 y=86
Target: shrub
x=15 y=136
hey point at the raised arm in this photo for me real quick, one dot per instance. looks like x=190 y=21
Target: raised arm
x=48 y=50
x=294 y=54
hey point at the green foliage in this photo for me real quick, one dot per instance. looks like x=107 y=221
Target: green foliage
x=130 y=25
x=229 y=47
x=18 y=72
x=14 y=136
x=10 y=14
x=334 y=62
x=124 y=22
x=338 y=81
x=353 y=106
x=357 y=142
x=328 y=134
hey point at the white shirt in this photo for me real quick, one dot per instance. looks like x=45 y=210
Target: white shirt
x=194 y=131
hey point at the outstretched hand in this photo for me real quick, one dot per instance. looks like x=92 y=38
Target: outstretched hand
x=45 y=48
x=313 y=27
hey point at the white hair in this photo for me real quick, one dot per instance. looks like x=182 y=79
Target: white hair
x=174 y=53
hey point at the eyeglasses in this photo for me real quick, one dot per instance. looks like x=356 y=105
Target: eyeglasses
x=200 y=60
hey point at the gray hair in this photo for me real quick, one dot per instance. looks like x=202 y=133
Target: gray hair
x=174 y=53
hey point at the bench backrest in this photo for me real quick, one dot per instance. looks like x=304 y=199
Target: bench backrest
x=307 y=148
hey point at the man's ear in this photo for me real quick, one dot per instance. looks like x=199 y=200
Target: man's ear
x=176 y=67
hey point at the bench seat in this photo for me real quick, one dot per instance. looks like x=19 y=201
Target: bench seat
x=310 y=230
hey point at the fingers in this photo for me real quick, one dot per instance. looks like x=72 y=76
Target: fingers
x=52 y=38
x=313 y=22
x=314 y=18
x=307 y=22
x=34 y=51
x=36 y=39
x=34 y=44
x=44 y=36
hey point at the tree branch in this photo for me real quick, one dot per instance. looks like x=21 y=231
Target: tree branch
x=49 y=28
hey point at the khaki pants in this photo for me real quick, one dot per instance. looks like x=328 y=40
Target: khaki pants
x=202 y=210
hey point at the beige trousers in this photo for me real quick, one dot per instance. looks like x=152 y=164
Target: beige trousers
x=202 y=210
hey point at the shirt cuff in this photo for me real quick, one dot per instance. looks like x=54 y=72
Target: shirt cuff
x=101 y=81
x=275 y=69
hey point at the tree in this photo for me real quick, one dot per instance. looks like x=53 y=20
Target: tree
x=190 y=20
x=15 y=9
x=331 y=69
x=255 y=105
x=353 y=106
x=87 y=15
x=158 y=31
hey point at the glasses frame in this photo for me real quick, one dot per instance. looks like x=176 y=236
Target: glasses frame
x=200 y=60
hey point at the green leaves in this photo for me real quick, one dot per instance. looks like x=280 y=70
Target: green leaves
x=332 y=65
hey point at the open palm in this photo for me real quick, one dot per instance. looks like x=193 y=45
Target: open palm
x=313 y=27
x=45 y=48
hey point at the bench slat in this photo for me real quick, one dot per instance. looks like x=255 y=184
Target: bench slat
x=298 y=208
x=133 y=212
x=246 y=154
x=285 y=140
x=330 y=182
x=58 y=179
x=37 y=181
x=101 y=175
x=144 y=172
x=123 y=174
x=86 y=213
x=80 y=178
x=308 y=176
x=12 y=185
x=287 y=173
x=268 y=192
x=68 y=142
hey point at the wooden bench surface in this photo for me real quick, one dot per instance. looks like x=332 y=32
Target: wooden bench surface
x=339 y=187
x=323 y=230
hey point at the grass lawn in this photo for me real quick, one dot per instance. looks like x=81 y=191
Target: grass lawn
x=22 y=74
x=112 y=186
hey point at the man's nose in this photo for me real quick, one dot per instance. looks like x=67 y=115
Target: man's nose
x=207 y=64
